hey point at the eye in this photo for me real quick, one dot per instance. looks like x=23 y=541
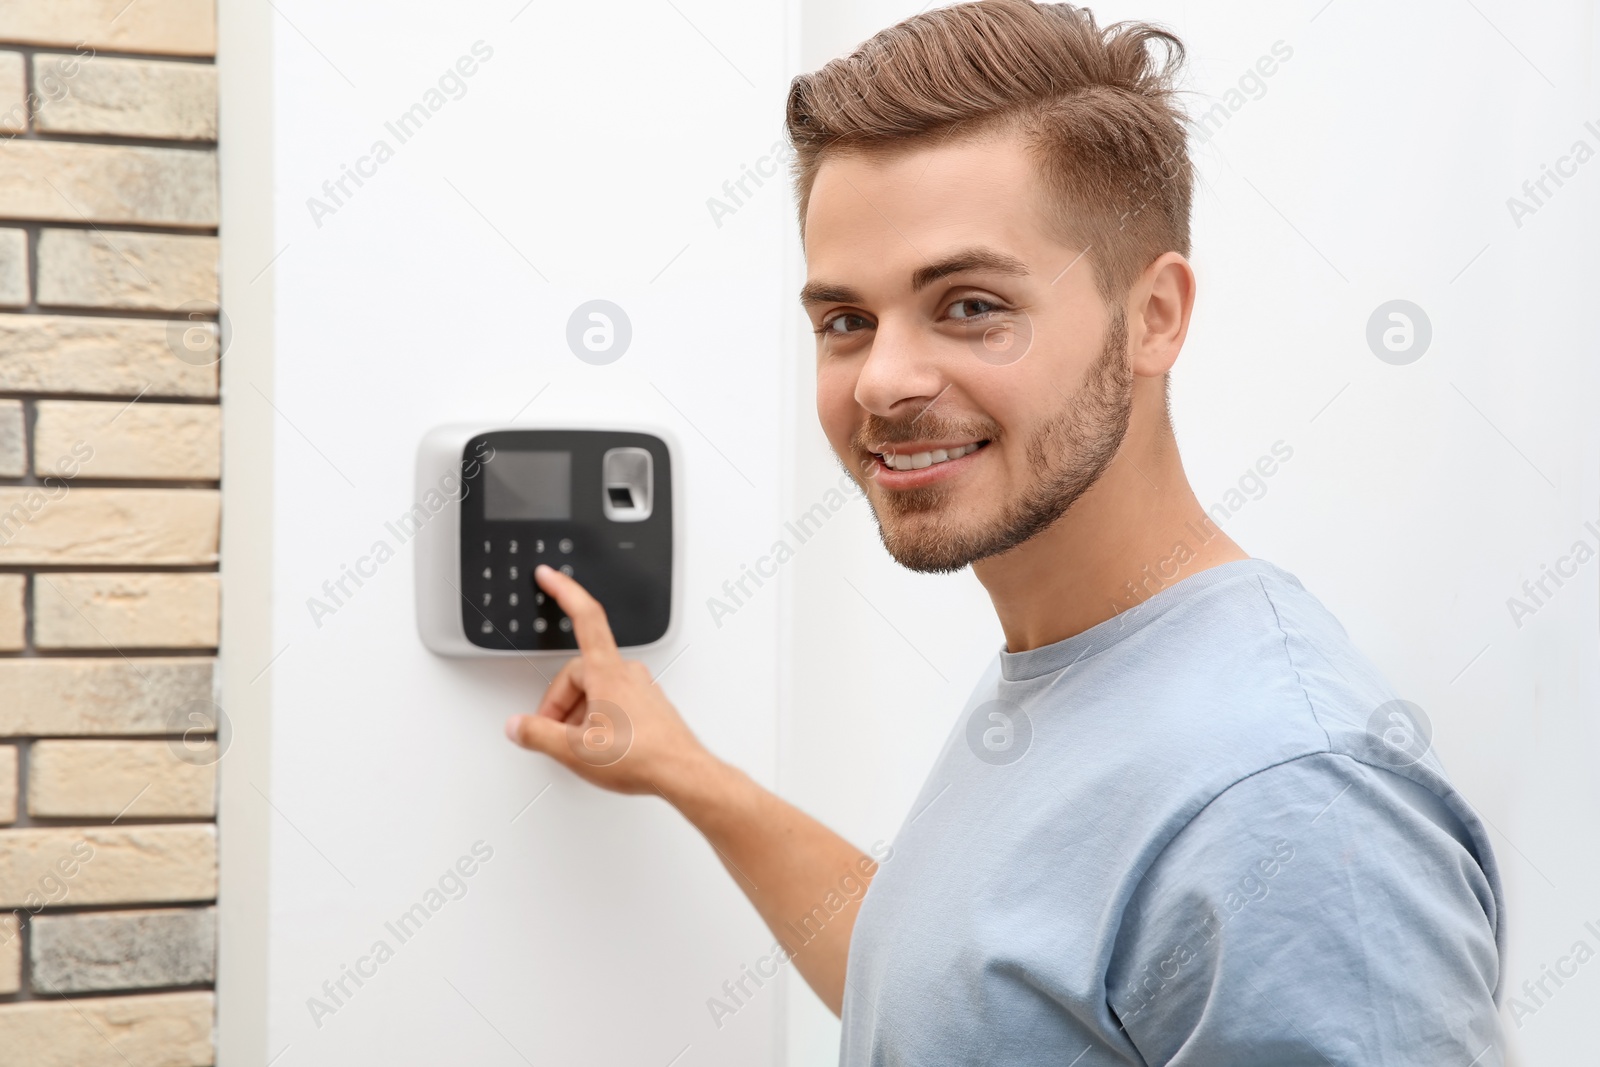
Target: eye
x=972 y=307
x=844 y=323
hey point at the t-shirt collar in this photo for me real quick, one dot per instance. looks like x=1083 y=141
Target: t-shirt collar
x=1021 y=666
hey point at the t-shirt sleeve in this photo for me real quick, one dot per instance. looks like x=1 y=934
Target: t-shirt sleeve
x=1320 y=912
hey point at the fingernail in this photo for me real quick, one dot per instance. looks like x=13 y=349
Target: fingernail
x=513 y=727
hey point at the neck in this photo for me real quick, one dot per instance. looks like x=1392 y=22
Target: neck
x=1138 y=530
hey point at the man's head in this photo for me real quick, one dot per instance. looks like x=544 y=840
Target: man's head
x=995 y=204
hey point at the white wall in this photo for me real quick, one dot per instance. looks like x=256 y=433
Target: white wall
x=1376 y=165
x=577 y=165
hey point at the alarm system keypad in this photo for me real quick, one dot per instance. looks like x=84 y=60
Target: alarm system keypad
x=509 y=602
x=594 y=504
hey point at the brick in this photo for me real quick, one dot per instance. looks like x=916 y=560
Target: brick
x=58 y=523
x=42 y=867
x=125 y=98
x=168 y=27
x=109 y=612
x=8 y=785
x=111 y=269
x=146 y=1030
x=13 y=268
x=131 y=441
x=10 y=953
x=84 y=697
x=13 y=616
x=66 y=182
x=132 y=779
x=91 y=952
x=13 y=454
x=13 y=93
x=63 y=354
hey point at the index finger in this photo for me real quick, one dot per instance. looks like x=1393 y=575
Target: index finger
x=589 y=625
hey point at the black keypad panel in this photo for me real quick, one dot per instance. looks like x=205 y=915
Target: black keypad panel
x=510 y=605
x=626 y=566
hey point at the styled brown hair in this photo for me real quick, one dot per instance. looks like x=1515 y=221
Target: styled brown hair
x=1097 y=107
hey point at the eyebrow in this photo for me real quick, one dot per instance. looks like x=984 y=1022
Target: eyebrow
x=968 y=259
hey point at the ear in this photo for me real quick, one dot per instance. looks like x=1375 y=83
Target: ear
x=1159 y=306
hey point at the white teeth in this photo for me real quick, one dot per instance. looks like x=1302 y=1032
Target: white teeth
x=918 y=460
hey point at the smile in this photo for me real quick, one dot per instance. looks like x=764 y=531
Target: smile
x=912 y=461
x=920 y=456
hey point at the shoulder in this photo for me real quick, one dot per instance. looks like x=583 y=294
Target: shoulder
x=1334 y=814
x=1283 y=678
x=1385 y=741
x=1246 y=672
x=1336 y=891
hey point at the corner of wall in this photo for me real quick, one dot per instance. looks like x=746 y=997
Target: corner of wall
x=244 y=61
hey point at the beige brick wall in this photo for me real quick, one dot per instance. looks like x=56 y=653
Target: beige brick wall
x=144 y=271
x=13 y=267
x=170 y=27
x=13 y=439
x=110 y=612
x=10 y=953
x=144 y=440
x=153 y=1030
x=43 y=867
x=109 y=521
x=13 y=92
x=64 y=354
x=13 y=613
x=88 y=697
x=128 y=98
x=108 y=779
x=108 y=184
x=8 y=783
x=58 y=523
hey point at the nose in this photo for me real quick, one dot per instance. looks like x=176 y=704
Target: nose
x=901 y=366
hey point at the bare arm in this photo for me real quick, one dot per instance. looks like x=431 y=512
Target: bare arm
x=604 y=719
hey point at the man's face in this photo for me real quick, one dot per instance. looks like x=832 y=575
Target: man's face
x=951 y=322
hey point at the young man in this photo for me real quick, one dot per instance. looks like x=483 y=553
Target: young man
x=1184 y=820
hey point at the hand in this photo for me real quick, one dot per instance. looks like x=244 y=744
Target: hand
x=602 y=717
x=605 y=720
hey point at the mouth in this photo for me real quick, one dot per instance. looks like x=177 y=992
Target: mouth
x=905 y=466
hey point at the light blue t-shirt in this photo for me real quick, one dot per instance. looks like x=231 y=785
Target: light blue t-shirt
x=1198 y=834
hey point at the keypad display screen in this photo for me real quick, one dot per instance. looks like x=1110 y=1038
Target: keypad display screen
x=528 y=485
